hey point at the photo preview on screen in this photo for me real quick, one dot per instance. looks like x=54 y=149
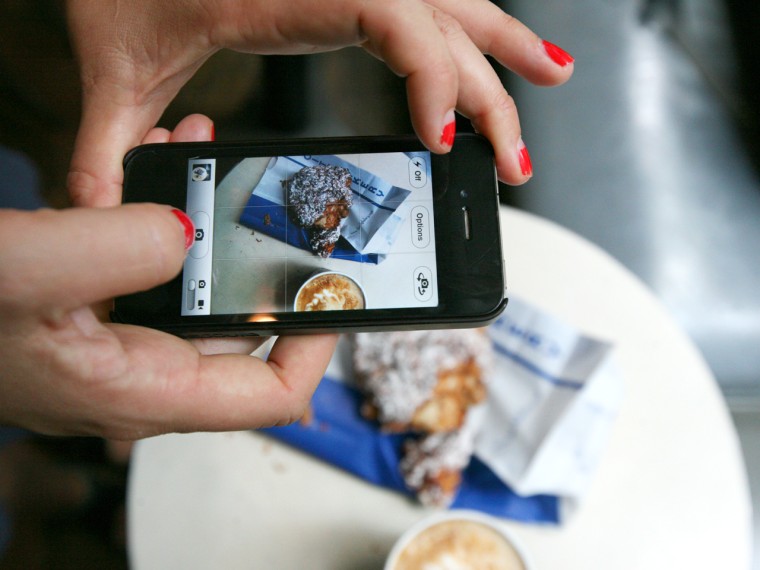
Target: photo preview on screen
x=310 y=233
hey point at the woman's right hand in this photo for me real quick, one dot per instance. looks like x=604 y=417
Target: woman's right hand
x=136 y=55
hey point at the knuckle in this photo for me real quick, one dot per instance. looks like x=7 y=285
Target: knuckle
x=86 y=189
x=503 y=103
x=503 y=26
x=447 y=24
x=296 y=406
x=500 y=107
x=504 y=21
x=296 y=413
x=80 y=185
x=300 y=411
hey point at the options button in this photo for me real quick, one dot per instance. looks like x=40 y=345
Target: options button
x=420 y=227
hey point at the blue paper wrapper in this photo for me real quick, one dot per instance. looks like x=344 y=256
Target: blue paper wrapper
x=339 y=435
x=271 y=219
x=368 y=232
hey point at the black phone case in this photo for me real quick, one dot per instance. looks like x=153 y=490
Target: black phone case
x=481 y=278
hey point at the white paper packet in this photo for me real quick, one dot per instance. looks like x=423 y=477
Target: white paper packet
x=378 y=208
x=553 y=397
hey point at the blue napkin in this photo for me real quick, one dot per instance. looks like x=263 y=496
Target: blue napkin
x=338 y=434
x=272 y=219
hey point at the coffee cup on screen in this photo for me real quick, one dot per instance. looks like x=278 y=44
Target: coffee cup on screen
x=457 y=539
x=329 y=291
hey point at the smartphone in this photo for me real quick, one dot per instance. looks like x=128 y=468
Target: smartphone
x=316 y=235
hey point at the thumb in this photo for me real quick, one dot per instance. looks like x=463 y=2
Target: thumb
x=71 y=258
x=106 y=132
x=124 y=90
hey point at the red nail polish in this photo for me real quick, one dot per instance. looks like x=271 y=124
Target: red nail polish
x=526 y=167
x=447 y=137
x=557 y=54
x=213 y=132
x=187 y=225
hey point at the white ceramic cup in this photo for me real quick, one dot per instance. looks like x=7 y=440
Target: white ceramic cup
x=515 y=557
x=322 y=274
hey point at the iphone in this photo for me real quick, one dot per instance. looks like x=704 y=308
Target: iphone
x=314 y=235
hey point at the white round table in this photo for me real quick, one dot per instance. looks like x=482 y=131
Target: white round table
x=671 y=490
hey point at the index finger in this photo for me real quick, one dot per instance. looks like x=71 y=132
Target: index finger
x=511 y=42
x=70 y=258
x=407 y=37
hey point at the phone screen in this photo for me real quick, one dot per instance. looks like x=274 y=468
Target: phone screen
x=310 y=233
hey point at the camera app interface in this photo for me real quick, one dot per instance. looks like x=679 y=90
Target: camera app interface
x=310 y=233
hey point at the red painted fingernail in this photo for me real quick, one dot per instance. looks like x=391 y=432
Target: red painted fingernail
x=187 y=225
x=449 y=130
x=213 y=132
x=526 y=167
x=447 y=137
x=557 y=54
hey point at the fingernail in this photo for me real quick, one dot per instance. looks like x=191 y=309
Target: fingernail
x=187 y=225
x=557 y=54
x=213 y=132
x=449 y=129
x=526 y=167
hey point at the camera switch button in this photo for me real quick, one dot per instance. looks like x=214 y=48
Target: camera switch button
x=423 y=283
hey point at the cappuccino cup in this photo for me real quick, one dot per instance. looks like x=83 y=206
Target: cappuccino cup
x=467 y=540
x=329 y=291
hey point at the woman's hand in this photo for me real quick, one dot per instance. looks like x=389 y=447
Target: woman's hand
x=66 y=372
x=137 y=54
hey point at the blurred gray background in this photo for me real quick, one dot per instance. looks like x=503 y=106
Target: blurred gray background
x=649 y=150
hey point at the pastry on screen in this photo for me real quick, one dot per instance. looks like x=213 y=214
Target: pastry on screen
x=320 y=197
x=421 y=380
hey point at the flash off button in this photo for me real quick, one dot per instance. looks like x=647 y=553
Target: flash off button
x=418 y=172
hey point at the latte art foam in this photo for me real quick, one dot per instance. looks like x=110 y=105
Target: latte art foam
x=329 y=292
x=459 y=545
